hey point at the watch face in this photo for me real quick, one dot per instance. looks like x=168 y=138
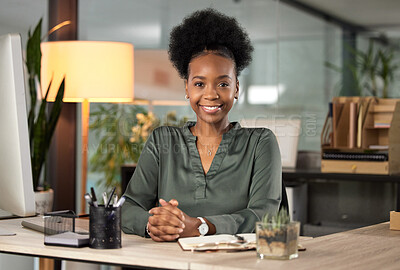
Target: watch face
x=203 y=229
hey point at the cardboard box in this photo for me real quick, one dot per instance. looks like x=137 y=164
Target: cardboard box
x=394 y=220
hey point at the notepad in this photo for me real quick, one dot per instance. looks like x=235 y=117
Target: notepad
x=34 y=224
x=225 y=242
x=69 y=239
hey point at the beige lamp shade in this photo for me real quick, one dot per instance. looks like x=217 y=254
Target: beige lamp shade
x=96 y=71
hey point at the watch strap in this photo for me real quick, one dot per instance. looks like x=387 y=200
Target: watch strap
x=202 y=220
x=147 y=232
x=203 y=228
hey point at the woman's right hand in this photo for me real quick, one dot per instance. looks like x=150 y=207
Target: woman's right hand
x=167 y=221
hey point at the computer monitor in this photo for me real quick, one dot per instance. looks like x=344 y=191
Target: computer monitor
x=16 y=187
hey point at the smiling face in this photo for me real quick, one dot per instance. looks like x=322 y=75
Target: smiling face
x=212 y=87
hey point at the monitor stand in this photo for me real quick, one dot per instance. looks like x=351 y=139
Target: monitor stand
x=6 y=215
x=4 y=232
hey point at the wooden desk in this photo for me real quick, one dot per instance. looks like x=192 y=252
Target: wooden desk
x=373 y=247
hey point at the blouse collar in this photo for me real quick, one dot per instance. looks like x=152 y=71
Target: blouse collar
x=226 y=137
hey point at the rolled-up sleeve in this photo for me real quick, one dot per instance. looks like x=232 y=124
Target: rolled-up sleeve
x=141 y=193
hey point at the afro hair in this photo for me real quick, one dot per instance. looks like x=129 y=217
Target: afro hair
x=210 y=30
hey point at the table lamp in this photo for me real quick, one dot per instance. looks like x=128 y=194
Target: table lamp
x=95 y=71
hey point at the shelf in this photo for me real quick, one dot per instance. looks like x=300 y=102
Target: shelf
x=379 y=147
x=351 y=150
x=363 y=122
x=372 y=127
x=383 y=109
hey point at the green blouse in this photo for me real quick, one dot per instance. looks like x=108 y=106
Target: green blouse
x=242 y=184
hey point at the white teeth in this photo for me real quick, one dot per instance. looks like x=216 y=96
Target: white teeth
x=211 y=108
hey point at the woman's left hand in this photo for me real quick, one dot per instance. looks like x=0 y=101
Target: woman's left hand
x=166 y=222
x=191 y=223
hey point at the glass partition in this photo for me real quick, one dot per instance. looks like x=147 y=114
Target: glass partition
x=287 y=79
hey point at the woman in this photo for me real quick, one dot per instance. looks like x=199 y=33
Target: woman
x=211 y=176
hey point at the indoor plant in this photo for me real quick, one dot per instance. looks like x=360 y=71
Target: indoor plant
x=122 y=130
x=41 y=119
x=373 y=70
x=277 y=236
x=112 y=124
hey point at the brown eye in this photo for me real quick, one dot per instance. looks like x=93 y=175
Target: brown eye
x=198 y=84
x=223 y=85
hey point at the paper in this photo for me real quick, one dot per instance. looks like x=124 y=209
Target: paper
x=218 y=242
x=378 y=147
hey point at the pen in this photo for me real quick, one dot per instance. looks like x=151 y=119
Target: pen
x=117 y=204
x=115 y=200
x=109 y=200
x=121 y=201
x=88 y=199
x=105 y=198
x=94 y=199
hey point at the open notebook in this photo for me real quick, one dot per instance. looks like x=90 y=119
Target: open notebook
x=225 y=242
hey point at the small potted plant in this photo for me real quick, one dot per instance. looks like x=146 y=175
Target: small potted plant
x=277 y=236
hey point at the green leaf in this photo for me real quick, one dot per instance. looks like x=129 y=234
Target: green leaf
x=39 y=143
x=55 y=112
x=282 y=217
x=33 y=53
x=332 y=66
x=32 y=110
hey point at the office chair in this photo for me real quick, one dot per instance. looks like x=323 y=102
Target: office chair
x=284 y=201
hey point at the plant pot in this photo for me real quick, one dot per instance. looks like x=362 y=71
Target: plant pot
x=44 y=201
x=277 y=241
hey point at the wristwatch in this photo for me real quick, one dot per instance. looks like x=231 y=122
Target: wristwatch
x=146 y=231
x=203 y=228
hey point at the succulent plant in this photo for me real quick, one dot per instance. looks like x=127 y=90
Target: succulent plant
x=282 y=217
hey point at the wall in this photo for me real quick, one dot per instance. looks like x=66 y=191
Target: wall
x=291 y=50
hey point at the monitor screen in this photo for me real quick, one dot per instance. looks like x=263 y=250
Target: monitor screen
x=16 y=187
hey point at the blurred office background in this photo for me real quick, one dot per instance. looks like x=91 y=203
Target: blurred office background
x=288 y=78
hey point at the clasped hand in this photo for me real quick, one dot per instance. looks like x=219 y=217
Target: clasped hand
x=168 y=222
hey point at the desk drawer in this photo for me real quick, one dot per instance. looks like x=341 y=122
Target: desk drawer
x=347 y=166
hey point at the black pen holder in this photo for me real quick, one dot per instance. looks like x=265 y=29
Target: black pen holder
x=105 y=227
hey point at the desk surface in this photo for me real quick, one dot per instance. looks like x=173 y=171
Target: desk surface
x=373 y=247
